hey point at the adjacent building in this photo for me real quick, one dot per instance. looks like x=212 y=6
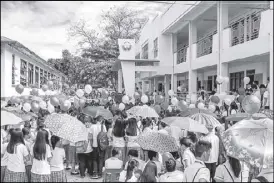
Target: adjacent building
x=19 y=65
x=195 y=41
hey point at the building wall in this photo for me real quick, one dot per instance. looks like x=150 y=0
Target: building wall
x=7 y=89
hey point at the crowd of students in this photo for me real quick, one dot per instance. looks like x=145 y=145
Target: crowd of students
x=35 y=155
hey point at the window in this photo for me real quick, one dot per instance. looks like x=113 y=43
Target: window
x=49 y=76
x=236 y=80
x=13 y=70
x=160 y=87
x=245 y=29
x=30 y=75
x=181 y=56
x=215 y=83
x=23 y=73
x=37 y=76
x=209 y=83
x=137 y=56
x=41 y=77
x=250 y=74
x=145 y=51
x=155 y=47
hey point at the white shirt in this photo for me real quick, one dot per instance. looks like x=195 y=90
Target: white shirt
x=188 y=155
x=57 y=161
x=225 y=173
x=176 y=132
x=113 y=163
x=123 y=175
x=257 y=94
x=95 y=129
x=16 y=160
x=118 y=141
x=41 y=167
x=131 y=141
x=266 y=97
x=214 y=151
x=176 y=176
x=190 y=171
x=4 y=159
x=28 y=145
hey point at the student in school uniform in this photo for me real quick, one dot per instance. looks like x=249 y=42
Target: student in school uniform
x=17 y=155
x=230 y=171
x=57 y=168
x=41 y=153
x=4 y=155
x=198 y=172
x=28 y=143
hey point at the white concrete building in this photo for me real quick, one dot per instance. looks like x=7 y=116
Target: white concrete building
x=194 y=41
x=19 y=65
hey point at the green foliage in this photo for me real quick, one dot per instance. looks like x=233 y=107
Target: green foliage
x=99 y=53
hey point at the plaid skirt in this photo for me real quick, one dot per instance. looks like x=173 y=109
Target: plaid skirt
x=11 y=176
x=3 y=170
x=40 y=178
x=59 y=176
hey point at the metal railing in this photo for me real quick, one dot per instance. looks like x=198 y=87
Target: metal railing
x=182 y=54
x=204 y=45
x=245 y=29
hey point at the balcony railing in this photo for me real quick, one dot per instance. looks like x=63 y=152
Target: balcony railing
x=204 y=45
x=181 y=54
x=245 y=29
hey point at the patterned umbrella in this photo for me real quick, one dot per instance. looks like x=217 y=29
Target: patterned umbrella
x=8 y=118
x=205 y=119
x=105 y=113
x=241 y=116
x=143 y=111
x=157 y=142
x=91 y=110
x=191 y=111
x=66 y=127
x=186 y=123
x=251 y=141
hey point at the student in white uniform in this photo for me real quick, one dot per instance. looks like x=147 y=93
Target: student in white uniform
x=57 y=168
x=230 y=171
x=17 y=155
x=198 y=172
x=41 y=153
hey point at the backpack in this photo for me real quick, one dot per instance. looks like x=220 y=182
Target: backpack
x=81 y=146
x=102 y=139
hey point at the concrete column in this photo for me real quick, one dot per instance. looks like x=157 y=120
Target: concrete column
x=120 y=81
x=175 y=79
x=166 y=87
x=224 y=68
x=222 y=22
x=154 y=84
x=271 y=69
x=192 y=82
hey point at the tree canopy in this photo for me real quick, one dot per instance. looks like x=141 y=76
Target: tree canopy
x=99 y=52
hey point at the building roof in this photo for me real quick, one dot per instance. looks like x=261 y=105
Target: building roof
x=24 y=50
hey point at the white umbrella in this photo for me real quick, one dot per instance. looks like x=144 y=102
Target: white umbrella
x=8 y=118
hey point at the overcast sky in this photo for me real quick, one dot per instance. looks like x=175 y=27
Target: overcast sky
x=42 y=25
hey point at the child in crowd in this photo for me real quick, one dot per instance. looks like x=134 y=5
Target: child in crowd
x=58 y=173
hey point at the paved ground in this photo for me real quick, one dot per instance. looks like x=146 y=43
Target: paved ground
x=77 y=178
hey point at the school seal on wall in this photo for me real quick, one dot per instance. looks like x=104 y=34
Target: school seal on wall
x=126 y=46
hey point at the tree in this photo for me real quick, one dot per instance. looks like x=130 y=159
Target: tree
x=117 y=22
x=99 y=53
